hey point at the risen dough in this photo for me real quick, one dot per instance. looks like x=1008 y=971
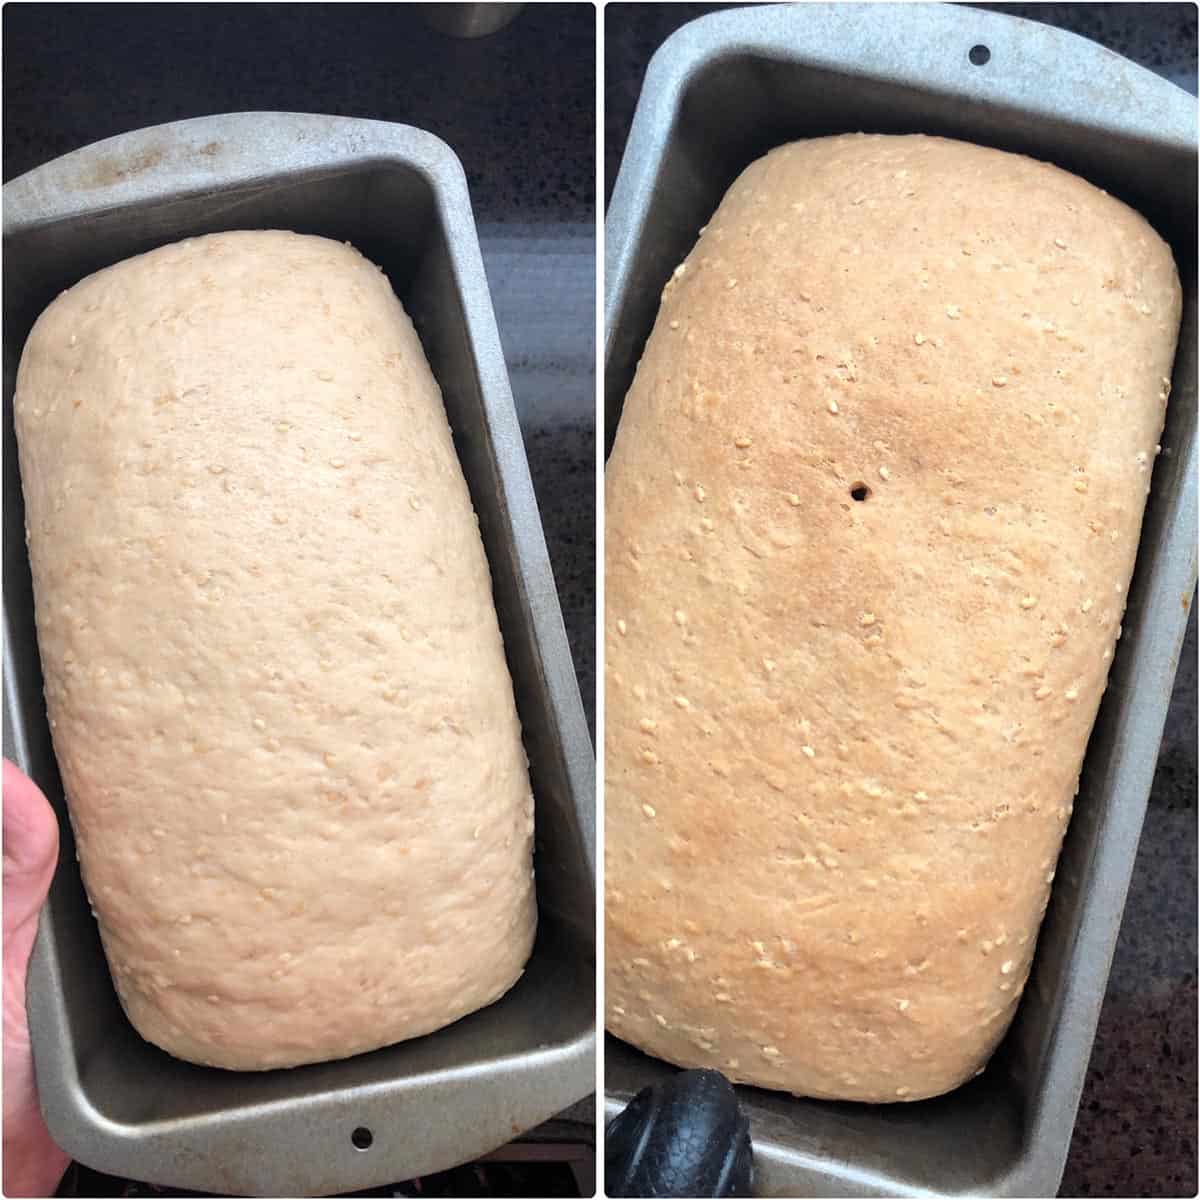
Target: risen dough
x=273 y=667
x=842 y=736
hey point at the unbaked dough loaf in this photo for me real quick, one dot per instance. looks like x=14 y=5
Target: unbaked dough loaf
x=273 y=668
x=843 y=735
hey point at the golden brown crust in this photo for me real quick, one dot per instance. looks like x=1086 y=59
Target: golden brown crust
x=842 y=737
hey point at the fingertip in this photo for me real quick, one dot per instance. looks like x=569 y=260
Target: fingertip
x=30 y=827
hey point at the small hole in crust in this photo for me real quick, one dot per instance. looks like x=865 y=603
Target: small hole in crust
x=979 y=55
x=362 y=1138
x=859 y=491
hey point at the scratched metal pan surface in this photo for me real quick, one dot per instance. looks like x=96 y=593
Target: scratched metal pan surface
x=720 y=92
x=111 y=1100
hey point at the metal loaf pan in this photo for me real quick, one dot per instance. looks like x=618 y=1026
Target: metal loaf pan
x=719 y=93
x=112 y=1100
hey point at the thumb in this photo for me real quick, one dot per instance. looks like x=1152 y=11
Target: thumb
x=33 y=1164
x=30 y=845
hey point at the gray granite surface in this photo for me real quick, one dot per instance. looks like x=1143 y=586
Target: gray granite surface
x=1136 y=1131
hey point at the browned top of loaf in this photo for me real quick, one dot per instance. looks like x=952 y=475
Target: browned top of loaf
x=843 y=737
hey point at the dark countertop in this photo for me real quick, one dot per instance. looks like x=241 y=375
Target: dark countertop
x=518 y=107
x=1136 y=1131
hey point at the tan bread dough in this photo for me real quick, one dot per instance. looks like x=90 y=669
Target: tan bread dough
x=273 y=668
x=843 y=737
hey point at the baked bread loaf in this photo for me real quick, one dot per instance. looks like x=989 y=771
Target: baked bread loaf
x=872 y=511
x=273 y=668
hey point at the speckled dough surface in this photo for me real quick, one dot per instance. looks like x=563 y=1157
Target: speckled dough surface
x=274 y=672
x=843 y=735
